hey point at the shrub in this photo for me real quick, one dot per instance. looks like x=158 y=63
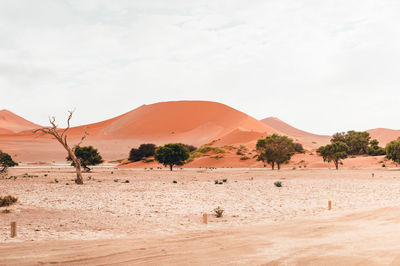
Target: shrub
x=216 y=182
x=87 y=156
x=7 y=200
x=278 y=184
x=144 y=150
x=224 y=180
x=127 y=181
x=55 y=180
x=175 y=182
x=191 y=148
x=218 y=212
x=243 y=158
x=115 y=180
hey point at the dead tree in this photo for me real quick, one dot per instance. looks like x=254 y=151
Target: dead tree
x=61 y=137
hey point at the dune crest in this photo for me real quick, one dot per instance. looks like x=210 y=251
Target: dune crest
x=12 y=123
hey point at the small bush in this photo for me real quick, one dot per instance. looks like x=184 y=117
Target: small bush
x=175 y=182
x=224 y=180
x=243 y=158
x=383 y=165
x=278 y=183
x=218 y=212
x=115 y=180
x=216 y=182
x=127 y=181
x=56 y=180
x=45 y=174
x=7 y=200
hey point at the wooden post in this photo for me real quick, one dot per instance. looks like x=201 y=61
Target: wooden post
x=329 y=205
x=205 y=216
x=13 y=229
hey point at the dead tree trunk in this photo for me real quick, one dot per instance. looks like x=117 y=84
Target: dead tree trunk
x=62 y=139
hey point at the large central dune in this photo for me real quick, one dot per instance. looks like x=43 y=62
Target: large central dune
x=194 y=122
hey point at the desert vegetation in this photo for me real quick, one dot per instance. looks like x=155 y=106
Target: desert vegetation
x=172 y=154
x=275 y=150
x=5 y=162
x=87 y=156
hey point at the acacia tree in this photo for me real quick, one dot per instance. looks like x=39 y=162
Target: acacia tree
x=172 y=154
x=87 y=155
x=5 y=162
x=335 y=152
x=275 y=149
x=393 y=150
x=61 y=137
x=357 y=141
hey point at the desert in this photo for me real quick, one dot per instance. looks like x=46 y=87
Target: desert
x=138 y=212
x=152 y=220
x=199 y=132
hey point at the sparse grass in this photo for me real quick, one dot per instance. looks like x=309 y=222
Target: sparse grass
x=216 y=181
x=218 y=212
x=7 y=200
x=278 y=184
x=6 y=211
x=243 y=158
x=56 y=180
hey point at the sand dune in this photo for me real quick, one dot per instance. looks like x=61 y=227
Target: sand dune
x=191 y=122
x=12 y=123
x=384 y=135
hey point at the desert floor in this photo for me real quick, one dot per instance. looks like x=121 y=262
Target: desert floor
x=152 y=220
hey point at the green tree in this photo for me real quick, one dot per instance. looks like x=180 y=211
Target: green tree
x=374 y=149
x=335 y=152
x=357 y=141
x=172 y=154
x=393 y=150
x=275 y=149
x=87 y=156
x=6 y=161
x=144 y=150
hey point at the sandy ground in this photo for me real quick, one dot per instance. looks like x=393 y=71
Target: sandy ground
x=151 y=220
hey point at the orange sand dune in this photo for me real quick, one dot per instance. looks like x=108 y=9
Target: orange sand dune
x=196 y=122
x=308 y=140
x=12 y=123
x=191 y=122
x=287 y=129
x=384 y=135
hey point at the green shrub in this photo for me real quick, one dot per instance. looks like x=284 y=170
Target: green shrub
x=115 y=180
x=278 y=184
x=175 y=182
x=127 y=181
x=224 y=180
x=7 y=200
x=216 y=182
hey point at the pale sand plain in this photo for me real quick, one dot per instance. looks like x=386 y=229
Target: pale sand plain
x=152 y=221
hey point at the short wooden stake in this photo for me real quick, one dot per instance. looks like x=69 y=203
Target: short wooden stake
x=13 y=229
x=205 y=216
x=329 y=205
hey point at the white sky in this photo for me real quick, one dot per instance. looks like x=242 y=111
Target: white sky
x=322 y=66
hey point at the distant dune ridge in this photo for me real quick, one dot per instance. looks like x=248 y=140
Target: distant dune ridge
x=191 y=122
x=12 y=123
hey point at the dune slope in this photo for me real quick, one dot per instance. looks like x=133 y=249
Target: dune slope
x=12 y=123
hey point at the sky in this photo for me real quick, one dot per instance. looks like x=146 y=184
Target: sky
x=321 y=66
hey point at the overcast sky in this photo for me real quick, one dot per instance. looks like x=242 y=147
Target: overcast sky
x=322 y=66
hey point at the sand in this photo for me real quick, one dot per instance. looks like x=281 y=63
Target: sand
x=151 y=220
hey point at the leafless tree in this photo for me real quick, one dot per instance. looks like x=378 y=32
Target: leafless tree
x=61 y=137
